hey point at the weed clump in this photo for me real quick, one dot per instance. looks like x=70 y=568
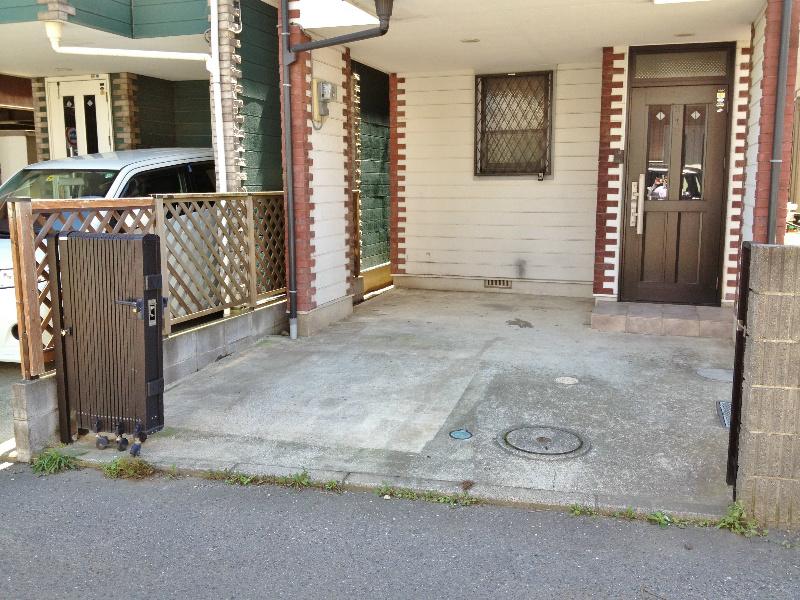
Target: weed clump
x=128 y=467
x=53 y=461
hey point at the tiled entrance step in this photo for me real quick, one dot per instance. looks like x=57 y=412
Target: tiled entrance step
x=664 y=319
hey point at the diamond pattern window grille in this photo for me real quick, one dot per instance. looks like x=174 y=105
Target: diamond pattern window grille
x=513 y=115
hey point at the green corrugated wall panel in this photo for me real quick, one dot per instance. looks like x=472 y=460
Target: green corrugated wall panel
x=192 y=114
x=174 y=113
x=131 y=18
x=160 y=18
x=113 y=16
x=156 y=101
x=19 y=11
x=374 y=186
x=261 y=96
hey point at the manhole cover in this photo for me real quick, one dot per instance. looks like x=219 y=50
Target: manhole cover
x=460 y=434
x=537 y=440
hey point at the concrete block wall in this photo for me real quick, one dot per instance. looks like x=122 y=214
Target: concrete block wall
x=34 y=408
x=768 y=480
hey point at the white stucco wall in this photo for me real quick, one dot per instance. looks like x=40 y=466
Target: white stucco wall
x=460 y=225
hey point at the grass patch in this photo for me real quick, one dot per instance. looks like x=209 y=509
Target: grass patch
x=53 y=461
x=629 y=513
x=660 y=518
x=462 y=499
x=579 y=510
x=297 y=481
x=736 y=520
x=128 y=467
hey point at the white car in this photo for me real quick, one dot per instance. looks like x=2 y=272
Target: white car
x=124 y=174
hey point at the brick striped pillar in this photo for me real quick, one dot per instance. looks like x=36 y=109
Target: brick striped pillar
x=610 y=187
x=397 y=178
x=300 y=79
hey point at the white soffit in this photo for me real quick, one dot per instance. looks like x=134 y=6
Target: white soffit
x=25 y=51
x=332 y=13
x=426 y=35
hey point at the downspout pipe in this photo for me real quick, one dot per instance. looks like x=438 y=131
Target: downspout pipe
x=383 y=8
x=776 y=163
x=54 y=31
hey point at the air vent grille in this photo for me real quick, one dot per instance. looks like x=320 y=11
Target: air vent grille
x=503 y=284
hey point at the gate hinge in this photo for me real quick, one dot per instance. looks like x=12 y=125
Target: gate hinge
x=741 y=326
x=155 y=387
x=152 y=282
x=66 y=331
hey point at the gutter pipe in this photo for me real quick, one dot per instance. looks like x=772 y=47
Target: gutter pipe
x=54 y=30
x=776 y=162
x=383 y=8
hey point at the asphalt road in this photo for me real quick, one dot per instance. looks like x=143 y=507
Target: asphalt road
x=80 y=535
x=9 y=373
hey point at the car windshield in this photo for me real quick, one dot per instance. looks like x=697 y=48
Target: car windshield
x=51 y=184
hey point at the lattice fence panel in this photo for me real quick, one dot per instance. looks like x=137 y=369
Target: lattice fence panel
x=270 y=228
x=208 y=258
x=87 y=216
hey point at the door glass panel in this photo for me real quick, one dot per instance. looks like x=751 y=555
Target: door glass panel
x=658 y=146
x=90 y=117
x=694 y=146
x=70 y=131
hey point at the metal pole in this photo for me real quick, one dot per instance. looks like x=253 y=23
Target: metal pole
x=286 y=61
x=780 y=108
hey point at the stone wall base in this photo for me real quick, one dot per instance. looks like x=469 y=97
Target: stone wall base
x=314 y=321
x=475 y=284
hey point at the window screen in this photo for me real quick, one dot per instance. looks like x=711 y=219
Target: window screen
x=681 y=65
x=512 y=124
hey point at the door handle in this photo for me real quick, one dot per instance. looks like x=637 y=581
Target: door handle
x=640 y=206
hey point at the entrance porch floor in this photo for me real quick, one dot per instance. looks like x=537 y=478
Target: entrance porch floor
x=373 y=399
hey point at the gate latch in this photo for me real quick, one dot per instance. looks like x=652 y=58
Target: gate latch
x=137 y=305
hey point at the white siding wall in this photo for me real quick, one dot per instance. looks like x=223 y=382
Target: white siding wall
x=499 y=227
x=753 y=128
x=328 y=185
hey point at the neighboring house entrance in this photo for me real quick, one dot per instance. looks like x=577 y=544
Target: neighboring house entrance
x=677 y=143
x=371 y=111
x=79 y=116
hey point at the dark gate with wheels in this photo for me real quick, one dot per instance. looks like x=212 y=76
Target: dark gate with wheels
x=738 y=365
x=109 y=351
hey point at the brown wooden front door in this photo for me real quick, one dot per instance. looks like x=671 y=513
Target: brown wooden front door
x=674 y=200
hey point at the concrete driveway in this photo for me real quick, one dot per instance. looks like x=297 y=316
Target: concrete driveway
x=375 y=397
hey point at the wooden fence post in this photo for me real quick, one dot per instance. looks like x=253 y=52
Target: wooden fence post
x=161 y=232
x=29 y=319
x=251 y=241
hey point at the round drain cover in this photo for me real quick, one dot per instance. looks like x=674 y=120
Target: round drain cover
x=461 y=434
x=551 y=441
